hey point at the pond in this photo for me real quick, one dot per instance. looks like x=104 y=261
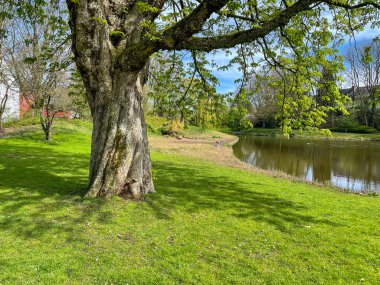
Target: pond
x=351 y=165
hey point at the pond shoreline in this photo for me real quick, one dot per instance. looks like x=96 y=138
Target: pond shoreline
x=220 y=151
x=261 y=132
x=349 y=166
x=214 y=147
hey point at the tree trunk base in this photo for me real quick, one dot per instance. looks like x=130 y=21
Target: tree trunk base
x=130 y=192
x=120 y=160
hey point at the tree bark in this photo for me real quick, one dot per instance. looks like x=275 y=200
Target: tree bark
x=111 y=56
x=45 y=123
x=1 y=122
x=373 y=110
x=120 y=161
x=48 y=135
x=3 y=103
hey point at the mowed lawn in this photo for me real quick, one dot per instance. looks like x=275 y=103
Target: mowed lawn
x=206 y=224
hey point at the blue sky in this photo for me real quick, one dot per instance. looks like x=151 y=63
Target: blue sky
x=226 y=77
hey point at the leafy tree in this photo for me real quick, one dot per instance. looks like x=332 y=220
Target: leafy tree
x=183 y=91
x=171 y=85
x=77 y=96
x=113 y=41
x=328 y=96
x=38 y=56
x=238 y=114
x=297 y=101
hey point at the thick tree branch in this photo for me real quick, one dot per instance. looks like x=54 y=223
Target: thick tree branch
x=192 y=23
x=351 y=7
x=233 y=39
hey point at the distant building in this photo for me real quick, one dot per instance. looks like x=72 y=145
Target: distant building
x=356 y=92
x=12 y=110
x=25 y=109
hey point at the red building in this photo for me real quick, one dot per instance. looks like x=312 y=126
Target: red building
x=27 y=110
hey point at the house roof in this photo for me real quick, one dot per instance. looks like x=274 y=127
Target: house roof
x=355 y=91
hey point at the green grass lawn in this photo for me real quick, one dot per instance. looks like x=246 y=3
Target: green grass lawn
x=206 y=224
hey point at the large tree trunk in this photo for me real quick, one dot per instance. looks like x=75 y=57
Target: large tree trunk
x=120 y=162
x=112 y=56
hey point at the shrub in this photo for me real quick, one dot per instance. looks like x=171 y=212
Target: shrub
x=349 y=125
x=154 y=123
x=172 y=129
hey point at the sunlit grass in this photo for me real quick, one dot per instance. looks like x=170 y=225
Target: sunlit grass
x=206 y=224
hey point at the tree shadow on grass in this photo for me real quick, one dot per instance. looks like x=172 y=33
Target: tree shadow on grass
x=192 y=190
x=41 y=192
x=42 y=188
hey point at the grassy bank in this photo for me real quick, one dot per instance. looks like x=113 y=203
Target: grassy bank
x=307 y=134
x=154 y=125
x=207 y=223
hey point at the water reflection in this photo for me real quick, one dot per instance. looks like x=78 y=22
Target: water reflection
x=353 y=165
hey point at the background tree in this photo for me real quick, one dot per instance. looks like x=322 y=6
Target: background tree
x=364 y=76
x=184 y=91
x=370 y=60
x=171 y=85
x=6 y=94
x=113 y=41
x=240 y=107
x=39 y=55
x=77 y=96
x=262 y=94
x=297 y=99
x=327 y=94
x=6 y=82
